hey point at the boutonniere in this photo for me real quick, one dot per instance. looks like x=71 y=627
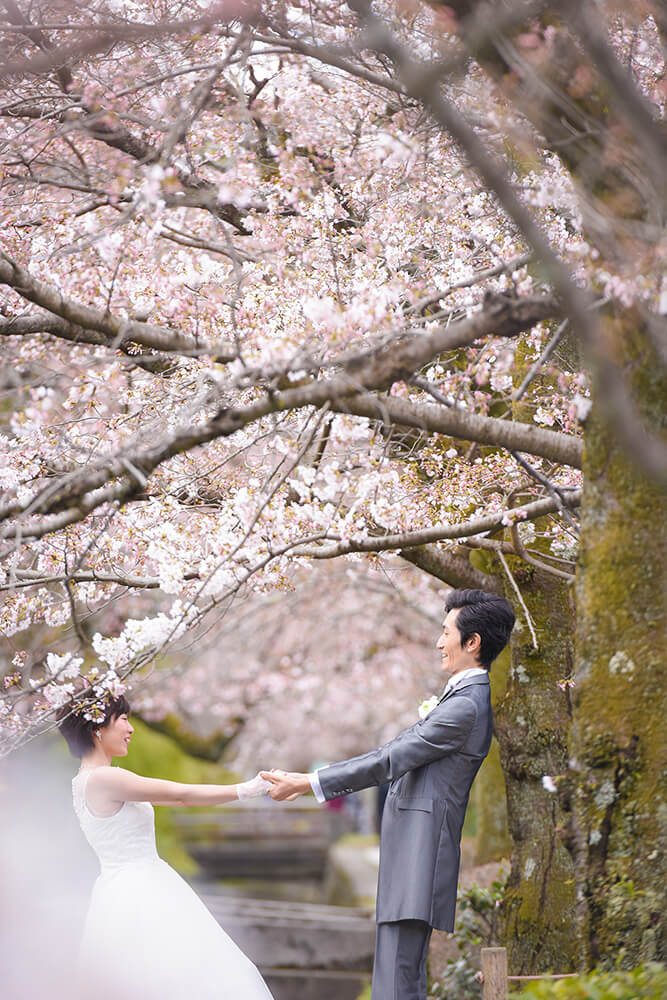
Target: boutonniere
x=427 y=706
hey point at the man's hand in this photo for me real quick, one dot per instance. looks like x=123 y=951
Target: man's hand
x=287 y=785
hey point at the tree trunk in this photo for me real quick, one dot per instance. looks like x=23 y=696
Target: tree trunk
x=532 y=724
x=618 y=744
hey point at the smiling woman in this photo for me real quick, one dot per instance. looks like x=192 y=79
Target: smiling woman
x=166 y=944
x=81 y=728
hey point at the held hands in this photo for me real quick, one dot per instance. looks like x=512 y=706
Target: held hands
x=254 y=788
x=286 y=785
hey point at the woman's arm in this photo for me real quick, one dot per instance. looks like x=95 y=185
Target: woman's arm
x=109 y=787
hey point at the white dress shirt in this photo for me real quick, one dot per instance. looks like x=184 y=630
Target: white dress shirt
x=456 y=679
x=453 y=682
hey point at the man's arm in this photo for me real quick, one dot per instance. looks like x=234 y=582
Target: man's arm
x=440 y=733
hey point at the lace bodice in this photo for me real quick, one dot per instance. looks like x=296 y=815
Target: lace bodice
x=125 y=837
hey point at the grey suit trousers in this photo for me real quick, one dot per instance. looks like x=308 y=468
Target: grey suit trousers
x=399 y=969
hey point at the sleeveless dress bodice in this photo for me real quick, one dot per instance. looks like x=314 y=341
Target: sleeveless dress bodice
x=148 y=935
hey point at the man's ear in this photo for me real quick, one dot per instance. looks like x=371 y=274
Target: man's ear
x=474 y=643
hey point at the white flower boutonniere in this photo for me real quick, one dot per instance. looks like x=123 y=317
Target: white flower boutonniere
x=427 y=706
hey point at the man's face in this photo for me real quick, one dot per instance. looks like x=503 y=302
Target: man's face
x=454 y=657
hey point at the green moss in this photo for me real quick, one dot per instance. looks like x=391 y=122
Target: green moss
x=210 y=748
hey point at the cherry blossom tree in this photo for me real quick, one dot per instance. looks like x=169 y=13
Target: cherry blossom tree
x=286 y=283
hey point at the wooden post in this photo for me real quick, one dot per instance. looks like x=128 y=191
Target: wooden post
x=494 y=971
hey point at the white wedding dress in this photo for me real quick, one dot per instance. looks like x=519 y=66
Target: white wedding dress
x=147 y=933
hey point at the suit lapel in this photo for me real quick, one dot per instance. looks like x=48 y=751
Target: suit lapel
x=466 y=682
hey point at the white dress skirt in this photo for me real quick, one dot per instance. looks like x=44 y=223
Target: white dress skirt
x=147 y=934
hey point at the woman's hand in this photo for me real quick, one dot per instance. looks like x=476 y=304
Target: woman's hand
x=254 y=788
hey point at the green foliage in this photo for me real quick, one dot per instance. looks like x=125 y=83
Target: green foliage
x=477 y=920
x=365 y=993
x=157 y=756
x=646 y=982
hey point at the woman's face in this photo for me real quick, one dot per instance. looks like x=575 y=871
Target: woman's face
x=116 y=736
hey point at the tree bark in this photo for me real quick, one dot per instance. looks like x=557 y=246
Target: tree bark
x=532 y=724
x=618 y=746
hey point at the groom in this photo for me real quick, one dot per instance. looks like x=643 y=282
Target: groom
x=431 y=767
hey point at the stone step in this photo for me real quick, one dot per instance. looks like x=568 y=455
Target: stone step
x=259 y=839
x=303 y=936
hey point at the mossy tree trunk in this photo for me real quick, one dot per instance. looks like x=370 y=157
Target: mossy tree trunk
x=532 y=724
x=618 y=744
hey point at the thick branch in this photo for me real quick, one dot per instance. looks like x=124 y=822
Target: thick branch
x=453 y=570
x=452 y=422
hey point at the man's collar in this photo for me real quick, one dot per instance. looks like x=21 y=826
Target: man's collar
x=473 y=675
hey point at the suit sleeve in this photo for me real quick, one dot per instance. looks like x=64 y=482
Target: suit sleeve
x=442 y=732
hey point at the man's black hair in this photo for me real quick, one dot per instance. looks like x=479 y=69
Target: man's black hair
x=488 y=615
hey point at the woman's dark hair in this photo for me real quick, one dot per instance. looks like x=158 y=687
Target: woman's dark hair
x=491 y=617
x=78 y=720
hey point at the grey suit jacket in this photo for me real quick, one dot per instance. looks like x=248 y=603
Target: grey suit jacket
x=431 y=767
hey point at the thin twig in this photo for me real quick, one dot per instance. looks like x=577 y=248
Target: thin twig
x=526 y=612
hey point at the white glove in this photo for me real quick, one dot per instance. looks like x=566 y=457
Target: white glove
x=254 y=788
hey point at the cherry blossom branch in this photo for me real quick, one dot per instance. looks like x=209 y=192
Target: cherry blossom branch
x=490 y=272
x=420 y=81
x=21 y=578
x=566 y=449
x=556 y=492
x=375 y=543
x=106 y=34
x=441 y=532
x=520 y=550
x=377 y=368
x=115 y=332
x=551 y=346
x=452 y=422
x=48 y=323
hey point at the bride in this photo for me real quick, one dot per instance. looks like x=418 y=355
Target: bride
x=147 y=934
